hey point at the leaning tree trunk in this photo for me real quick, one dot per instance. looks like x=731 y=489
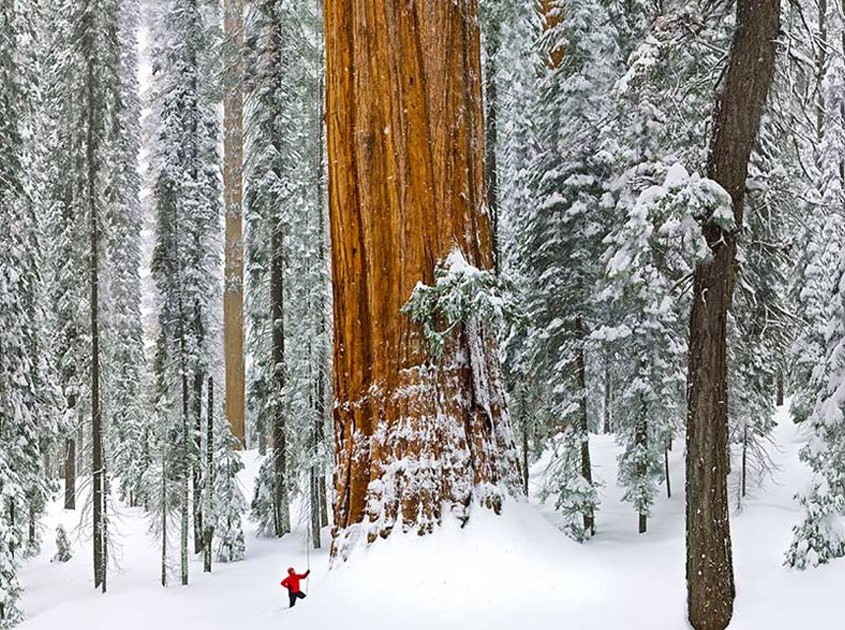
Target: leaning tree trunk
x=233 y=300
x=406 y=188
x=710 y=580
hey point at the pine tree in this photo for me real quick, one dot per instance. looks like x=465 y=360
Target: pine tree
x=126 y=362
x=818 y=538
x=286 y=286
x=566 y=223
x=28 y=410
x=186 y=193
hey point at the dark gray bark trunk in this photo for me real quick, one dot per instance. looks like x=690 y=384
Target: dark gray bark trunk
x=586 y=466
x=277 y=305
x=70 y=474
x=641 y=440
x=94 y=262
x=208 y=531
x=608 y=395
x=709 y=570
x=199 y=377
x=491 y=139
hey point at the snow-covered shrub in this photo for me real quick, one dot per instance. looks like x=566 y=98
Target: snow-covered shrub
x=229 y=502
x=460 y=293
x=63 y=550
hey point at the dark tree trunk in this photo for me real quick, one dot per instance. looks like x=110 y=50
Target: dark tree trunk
x=744 y=459
x=709 y=570
x=197 y=497
x=779 y=386
x=98 y=511
x=208 y=531
x=666 y=469
x=70 y=474
x=584 y=427
x=277 y=305
x=608 y=394
x=523 y=410
x=185 y=463
x=492 y=133
x=641 y=440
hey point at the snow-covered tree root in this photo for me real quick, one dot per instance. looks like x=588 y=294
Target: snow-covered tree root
x=437 y=439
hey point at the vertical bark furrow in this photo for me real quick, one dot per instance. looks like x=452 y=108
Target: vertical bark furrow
x=406 y=187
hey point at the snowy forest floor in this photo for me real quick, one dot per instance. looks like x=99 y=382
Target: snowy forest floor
x=498 y=571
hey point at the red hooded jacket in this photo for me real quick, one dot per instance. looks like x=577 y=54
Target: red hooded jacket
x=291 y=582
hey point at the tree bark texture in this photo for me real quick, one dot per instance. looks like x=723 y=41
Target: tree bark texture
x=492 y=132
x=70 y=474
x=584 y=427
x=94 y=263
x=739 y=106
x=196 y=480
x=208 y=531
x=233 y=302
x=277 y=305
x=641 y=440
x=406 y=188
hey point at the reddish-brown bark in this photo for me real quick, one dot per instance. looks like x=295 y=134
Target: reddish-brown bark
x=406 y=187
x=233 y=297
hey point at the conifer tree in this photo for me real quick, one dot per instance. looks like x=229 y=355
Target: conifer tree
x=566 y=223
x=287 y=269
x=186 y=193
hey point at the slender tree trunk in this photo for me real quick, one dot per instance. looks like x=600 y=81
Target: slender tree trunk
x=406 y=188
x=196 y=495
x=744 y=458
x=523 y=410
x=185 y=463
x=94 y=263
x=584 y=428
x=277 y=305
x=710 y=578
x=105 y=530
x=779 y=387
x=641 y=440
x=233 y=302
x=164 y=510
x=186 y=485
x=70 y=474
x=492 y=133
x=666 y=469
x=318 y=481
x=208 y=531
x=608 y=395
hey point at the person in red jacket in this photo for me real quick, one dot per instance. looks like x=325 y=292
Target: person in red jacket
x=291 y=582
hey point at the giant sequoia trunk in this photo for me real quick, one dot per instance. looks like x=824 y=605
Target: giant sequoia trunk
x=710 y=579
x=406 y=187
x=233 y=296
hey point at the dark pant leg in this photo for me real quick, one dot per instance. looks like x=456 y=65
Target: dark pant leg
x=300 y=595
x=292 y=597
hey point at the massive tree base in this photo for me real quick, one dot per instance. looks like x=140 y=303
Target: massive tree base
x=439 y=441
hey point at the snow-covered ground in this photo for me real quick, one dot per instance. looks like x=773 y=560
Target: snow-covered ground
x=512 y=571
